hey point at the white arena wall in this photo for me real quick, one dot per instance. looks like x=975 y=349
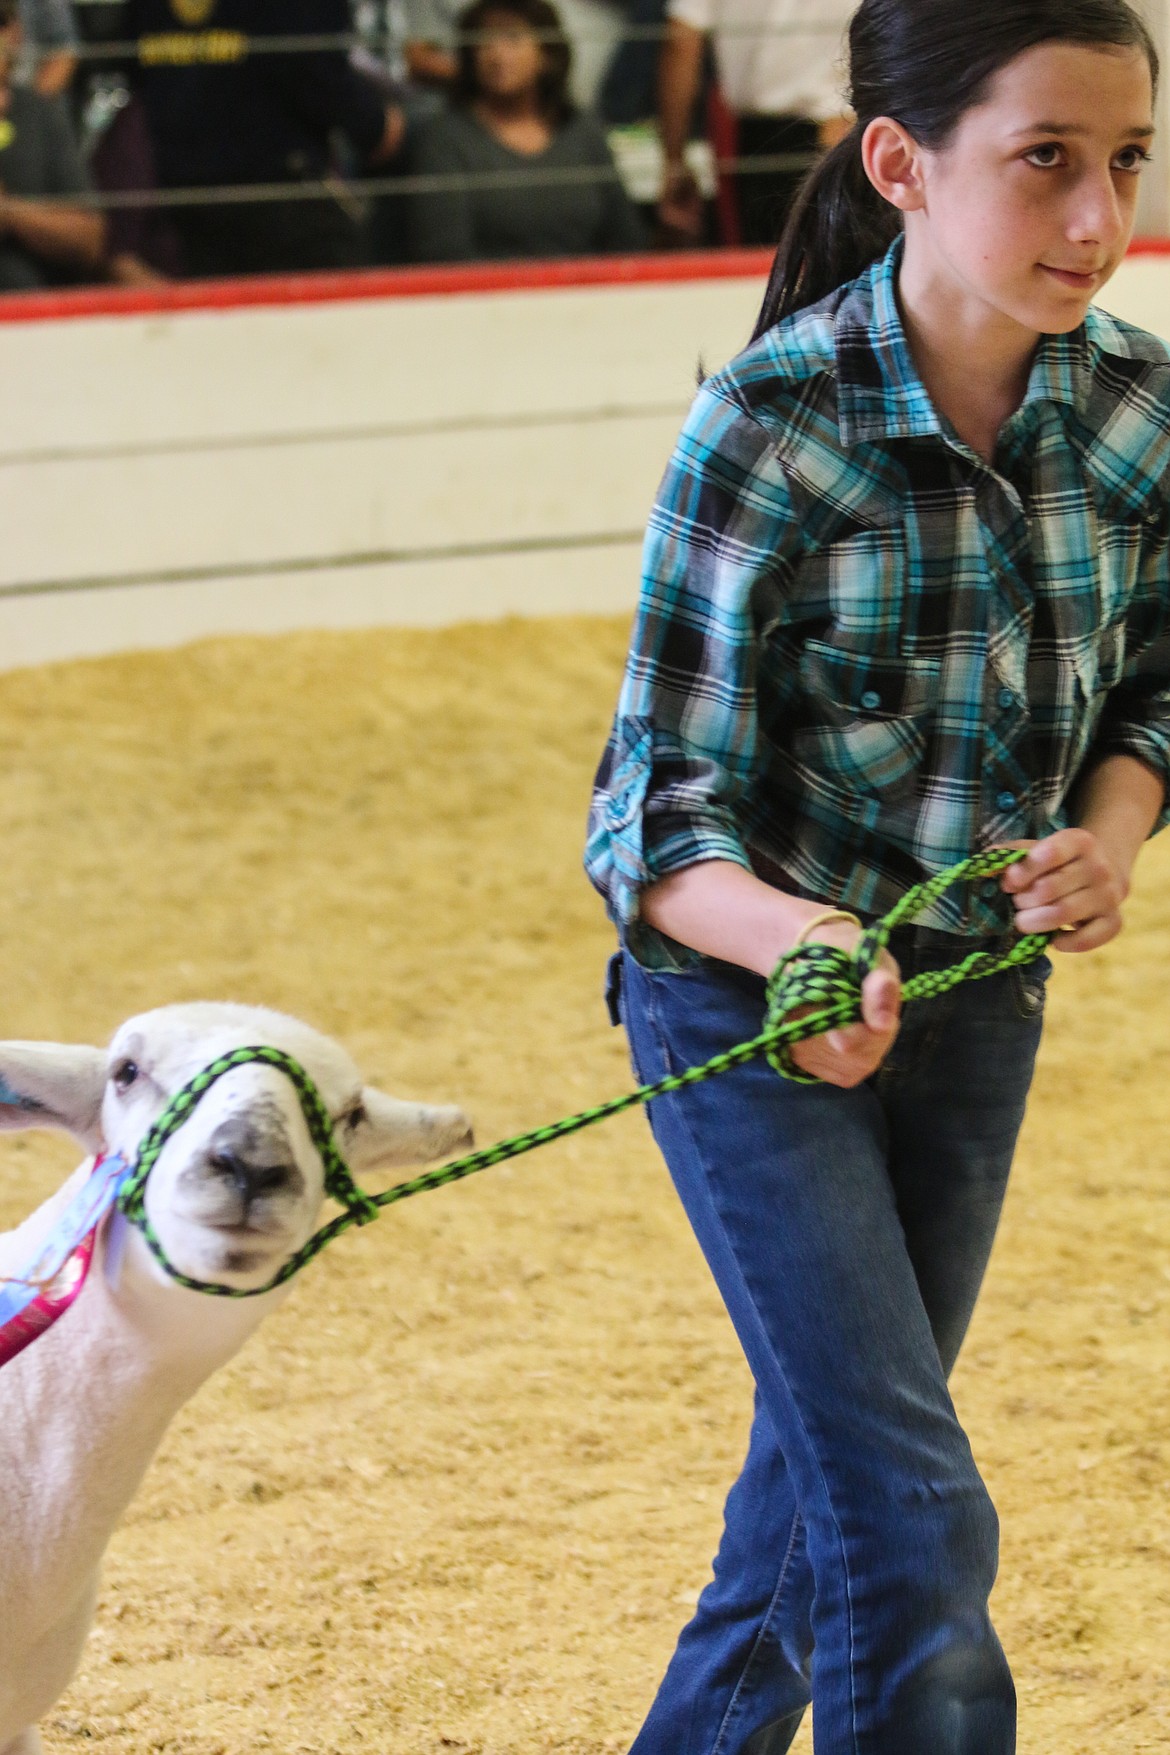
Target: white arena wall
x=399 y=454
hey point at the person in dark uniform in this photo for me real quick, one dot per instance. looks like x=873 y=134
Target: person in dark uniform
x=224 y=112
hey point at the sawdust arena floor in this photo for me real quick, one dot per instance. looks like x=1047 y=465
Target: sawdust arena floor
x=458 y=1496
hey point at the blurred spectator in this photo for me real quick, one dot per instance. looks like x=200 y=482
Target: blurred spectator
x=377 y=50
x=411 y=47
x=408 y=46
x=141 y=242
x=432 y=34
x=45 y=239
x=777 y=63
x=221 y=115
x=630 y=87
x=49 y=52
x=511 y=117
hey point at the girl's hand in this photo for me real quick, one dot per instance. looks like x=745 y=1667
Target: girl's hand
x=1070 y=884
x=848 y=1057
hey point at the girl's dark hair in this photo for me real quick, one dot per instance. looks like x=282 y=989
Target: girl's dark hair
x=544 y=22
x=925 y=63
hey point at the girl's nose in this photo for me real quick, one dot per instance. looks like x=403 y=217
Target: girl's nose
x=1099 y=215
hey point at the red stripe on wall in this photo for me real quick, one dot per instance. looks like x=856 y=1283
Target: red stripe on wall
x=383 y=283
x=407 y=283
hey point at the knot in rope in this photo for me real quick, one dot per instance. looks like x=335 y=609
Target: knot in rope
x=820 y=977
x=828 y=980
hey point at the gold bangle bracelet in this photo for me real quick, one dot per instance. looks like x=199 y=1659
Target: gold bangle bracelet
x=823 y=919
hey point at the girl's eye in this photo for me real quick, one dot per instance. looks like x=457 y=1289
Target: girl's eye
x=1132 y=158
x=1046 y=158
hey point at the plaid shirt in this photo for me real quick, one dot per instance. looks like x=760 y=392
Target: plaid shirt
x=862 y=653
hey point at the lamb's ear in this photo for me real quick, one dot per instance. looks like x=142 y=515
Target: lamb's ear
x=388 y=1132
x=52 y=1084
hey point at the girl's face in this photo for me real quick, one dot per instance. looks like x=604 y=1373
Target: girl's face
x=1030 y=206
x=509 y=58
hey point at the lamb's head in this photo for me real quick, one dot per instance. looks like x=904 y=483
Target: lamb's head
x=237 y=1188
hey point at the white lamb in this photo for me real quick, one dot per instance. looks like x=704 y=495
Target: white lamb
x=234 y=1193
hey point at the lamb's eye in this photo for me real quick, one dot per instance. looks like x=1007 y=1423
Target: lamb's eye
x=355 y=1116
x=124 y=1074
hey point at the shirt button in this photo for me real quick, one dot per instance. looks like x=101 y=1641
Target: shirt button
x=870 y=700
x=1006 y=801
x=1006 y=698
x=989 y=887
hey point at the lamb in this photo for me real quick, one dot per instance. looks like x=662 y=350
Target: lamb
x=234 y=1194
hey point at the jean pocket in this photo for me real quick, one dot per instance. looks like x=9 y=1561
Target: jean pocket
x=1029 y=987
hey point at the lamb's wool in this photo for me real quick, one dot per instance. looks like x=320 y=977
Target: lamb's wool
x=97 y=1363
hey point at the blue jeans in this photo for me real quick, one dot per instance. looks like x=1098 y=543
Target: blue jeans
x=848 y=1232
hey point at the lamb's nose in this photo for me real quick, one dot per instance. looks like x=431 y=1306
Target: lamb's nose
x=250 y=1180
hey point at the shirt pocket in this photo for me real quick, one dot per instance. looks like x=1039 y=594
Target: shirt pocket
x=868 y=717
x=861 y=584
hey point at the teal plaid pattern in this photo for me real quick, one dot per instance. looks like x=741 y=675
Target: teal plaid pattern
x=860 y=653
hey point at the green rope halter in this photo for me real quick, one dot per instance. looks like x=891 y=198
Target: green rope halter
x=814 y=974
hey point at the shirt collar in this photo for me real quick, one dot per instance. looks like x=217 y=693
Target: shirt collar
x=879 y=392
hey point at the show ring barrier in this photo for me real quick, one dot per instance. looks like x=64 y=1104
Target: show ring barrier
x=249 y=457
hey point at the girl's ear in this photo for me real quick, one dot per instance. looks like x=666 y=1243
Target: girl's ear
x=893 y=164
x=51 y=1084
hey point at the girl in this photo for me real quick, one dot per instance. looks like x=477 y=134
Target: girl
x=905 y=597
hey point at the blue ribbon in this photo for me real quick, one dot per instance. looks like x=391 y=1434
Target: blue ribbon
x=88 y=1207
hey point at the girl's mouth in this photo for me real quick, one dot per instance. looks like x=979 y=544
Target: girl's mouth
x=1067 y=277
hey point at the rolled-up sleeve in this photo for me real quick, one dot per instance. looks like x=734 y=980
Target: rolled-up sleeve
x=1136 y=718
x=682 y=751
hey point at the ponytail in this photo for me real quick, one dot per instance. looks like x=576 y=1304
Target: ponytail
x=838 y=225
x=924 y=63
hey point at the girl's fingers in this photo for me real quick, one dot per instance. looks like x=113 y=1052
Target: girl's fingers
x=847 y=1056
x=1045 y=857
x=1040 y=891
x=1091 y=935
x=1070 y=909
x=1017 y=876
x=881 y=1001
x=1055 y=886
x=1076 y=904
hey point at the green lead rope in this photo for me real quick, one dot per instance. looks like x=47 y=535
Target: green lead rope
x=816 y=975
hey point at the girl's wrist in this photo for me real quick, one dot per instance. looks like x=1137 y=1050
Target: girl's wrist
x=722 y=909
x=1119 y=802
x=823 y=917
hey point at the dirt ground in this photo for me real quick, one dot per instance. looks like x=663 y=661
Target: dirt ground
x=458 y=1496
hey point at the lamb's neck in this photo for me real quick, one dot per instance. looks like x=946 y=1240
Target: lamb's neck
x=83 y=1409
